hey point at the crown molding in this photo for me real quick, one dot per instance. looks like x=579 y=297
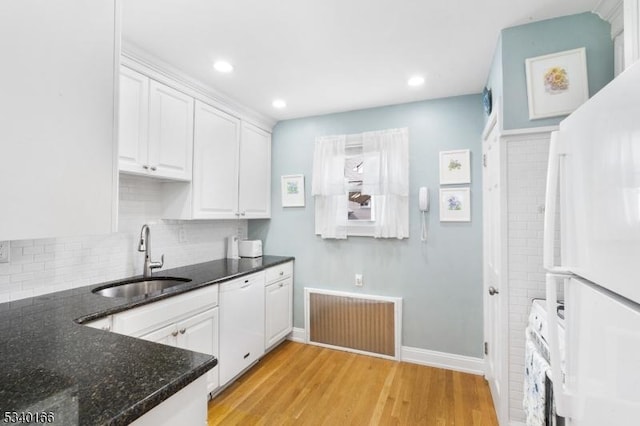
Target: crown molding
x=135 y=57
x=612 y=12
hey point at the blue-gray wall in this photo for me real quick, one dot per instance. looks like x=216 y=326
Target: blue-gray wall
x=441 y=280
x=550 y=36
x=494 y=81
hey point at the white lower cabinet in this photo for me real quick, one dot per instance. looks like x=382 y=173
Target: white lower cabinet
x=198 y=333
x=278 y=303
x=187 y=321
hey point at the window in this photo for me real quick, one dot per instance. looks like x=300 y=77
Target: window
x=360 y=211
x=361 y=184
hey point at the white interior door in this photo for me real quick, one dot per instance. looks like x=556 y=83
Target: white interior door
x=495 y=326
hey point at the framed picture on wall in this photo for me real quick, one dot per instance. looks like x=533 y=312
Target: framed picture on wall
x=557 y=83
x=292 y=190
x=455 y=205
x=455 y=167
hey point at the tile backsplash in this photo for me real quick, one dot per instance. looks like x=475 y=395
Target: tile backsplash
x=47 y=265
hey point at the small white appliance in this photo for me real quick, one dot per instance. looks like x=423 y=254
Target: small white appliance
x=250 y=248
x=232 y=247
x=594 y=163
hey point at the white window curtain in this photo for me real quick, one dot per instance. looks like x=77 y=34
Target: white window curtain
x=386 y=179
x=329 y=188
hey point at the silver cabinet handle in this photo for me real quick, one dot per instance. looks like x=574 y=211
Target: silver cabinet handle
x=237 y=213
x=243 y=213
x=183 y=330
x=493 y=291
x=174 y=333
x=153 y=168
x=144 y=166
x=281 y=273
x=281 y=285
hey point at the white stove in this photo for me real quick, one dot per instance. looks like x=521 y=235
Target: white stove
x=538 y=393
x=538 y=331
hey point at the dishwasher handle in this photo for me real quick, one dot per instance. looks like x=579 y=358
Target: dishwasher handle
x=247 y=283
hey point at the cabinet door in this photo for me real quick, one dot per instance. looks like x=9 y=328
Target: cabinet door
x=133 y=124
x=255 y=173
x=278 y=311
x=215 y=167
x=170 y=132
x=200 y=334
x=57 y=146
x=165 y=335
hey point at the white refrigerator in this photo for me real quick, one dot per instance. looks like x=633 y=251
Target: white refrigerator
x=593 y=188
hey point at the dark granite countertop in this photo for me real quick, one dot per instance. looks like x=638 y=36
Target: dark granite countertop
x=50 y=362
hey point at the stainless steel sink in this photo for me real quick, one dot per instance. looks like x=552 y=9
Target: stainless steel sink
x=140 y=287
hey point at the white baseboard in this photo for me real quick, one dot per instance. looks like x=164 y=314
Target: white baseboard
x=464 y=364
x=514 y=423
x=298 y=335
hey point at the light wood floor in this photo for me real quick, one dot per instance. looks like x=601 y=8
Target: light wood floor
x=308 y=385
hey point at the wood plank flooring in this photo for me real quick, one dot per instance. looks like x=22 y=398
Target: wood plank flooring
x=309 y=385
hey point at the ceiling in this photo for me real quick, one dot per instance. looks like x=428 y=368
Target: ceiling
x=324 y=56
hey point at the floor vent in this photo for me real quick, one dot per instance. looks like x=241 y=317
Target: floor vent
x=359 y=323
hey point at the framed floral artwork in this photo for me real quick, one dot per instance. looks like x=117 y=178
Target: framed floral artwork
x=292 y=191
x=557 y=83
x=455 y=205
x=455 y=167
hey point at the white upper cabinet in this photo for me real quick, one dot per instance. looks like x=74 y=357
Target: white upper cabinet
x=215 y=167
x=156 y=128
x=133 y=127
x=231 y=170
x=254 y=173
x=57 y=129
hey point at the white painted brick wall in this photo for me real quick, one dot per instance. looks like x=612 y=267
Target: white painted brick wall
x=526 y=180
x=48 y=265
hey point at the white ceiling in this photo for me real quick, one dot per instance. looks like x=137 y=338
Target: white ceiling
x=325 y=56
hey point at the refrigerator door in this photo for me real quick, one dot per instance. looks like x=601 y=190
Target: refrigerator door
x=603 y=356
x=599 y=158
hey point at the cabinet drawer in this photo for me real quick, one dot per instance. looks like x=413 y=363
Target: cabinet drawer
x=137 y=321
x=279 y=272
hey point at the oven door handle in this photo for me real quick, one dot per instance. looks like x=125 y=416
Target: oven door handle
x=561 y=394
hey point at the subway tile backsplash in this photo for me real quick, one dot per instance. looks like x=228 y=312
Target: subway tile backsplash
x=48 y=265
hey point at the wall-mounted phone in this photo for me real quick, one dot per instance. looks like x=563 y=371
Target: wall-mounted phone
x=423 y=199
x=423 y=204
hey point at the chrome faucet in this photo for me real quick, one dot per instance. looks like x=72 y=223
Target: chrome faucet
x=145 y=246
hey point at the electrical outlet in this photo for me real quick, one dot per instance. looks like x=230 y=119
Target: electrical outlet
x=5 y=248
x=182 y=235
x=358 y=280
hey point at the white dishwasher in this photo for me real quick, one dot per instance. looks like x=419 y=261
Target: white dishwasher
x=241 y=324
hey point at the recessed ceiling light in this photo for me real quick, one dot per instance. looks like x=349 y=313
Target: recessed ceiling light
x=416 y=81
x=279 y=103
x=223 y=66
